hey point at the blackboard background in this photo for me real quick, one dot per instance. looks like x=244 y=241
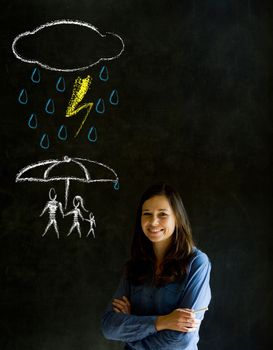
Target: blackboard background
x=195 y=102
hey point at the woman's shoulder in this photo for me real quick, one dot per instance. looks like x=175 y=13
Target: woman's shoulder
x=199 y=258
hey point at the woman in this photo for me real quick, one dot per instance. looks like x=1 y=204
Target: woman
x=165 y=282
x=76 y=212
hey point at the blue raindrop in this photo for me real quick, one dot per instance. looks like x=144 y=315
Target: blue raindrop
x=104 y=75
x=100 y=106
x=23 y=99
x=113 y=99
x=116 y=185
x=32 y=122
x=62 y=133
x=60 y=85
x=50 y=107
x=36 y=76
x=44 y=143
x=92 y=134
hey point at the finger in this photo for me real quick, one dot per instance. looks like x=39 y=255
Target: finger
x=121 y=309
x=128 y=305
x=190 y=319
x=116 y=306
x=187 y=312
x=190 y=310
x=121 y=306
x=126 y=300
x=119 y=302
x=185 y=309
x=189 y=324
x=184 y=330
x=183 y=319
x=187 y=329
x=116 y=309
x=194 y=323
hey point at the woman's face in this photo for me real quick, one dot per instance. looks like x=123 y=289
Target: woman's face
x=158 y=219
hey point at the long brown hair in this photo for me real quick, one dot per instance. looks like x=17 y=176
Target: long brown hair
x=141 y=267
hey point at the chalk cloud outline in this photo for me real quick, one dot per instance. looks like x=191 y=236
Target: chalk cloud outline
x=58 y=22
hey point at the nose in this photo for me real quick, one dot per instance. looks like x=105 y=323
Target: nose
x=154 y=220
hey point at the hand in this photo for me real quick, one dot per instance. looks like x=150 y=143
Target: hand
x=182 y=320
x=122 y=305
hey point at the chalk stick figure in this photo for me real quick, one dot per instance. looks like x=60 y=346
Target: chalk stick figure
x=52 y=206
x=92 y=222
x=76 y=212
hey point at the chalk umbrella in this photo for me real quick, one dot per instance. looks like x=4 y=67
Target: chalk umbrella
x=86 y=170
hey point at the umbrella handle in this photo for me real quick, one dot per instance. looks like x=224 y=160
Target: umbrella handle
x=66 y=192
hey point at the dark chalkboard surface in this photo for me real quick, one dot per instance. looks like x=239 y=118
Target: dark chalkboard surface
x=187 y=101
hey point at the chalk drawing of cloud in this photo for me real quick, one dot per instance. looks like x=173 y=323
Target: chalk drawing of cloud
x=67 y=46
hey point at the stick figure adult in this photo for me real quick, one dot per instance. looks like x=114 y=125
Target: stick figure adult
x=76 y=212
x=52 y=206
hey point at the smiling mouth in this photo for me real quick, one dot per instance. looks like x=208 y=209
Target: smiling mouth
x=155 y=231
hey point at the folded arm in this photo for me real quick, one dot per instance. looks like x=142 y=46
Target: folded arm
x=126 y=327
x=196 y=296
x=153 y=332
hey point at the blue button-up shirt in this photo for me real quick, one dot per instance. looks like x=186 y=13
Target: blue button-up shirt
x=138 y=330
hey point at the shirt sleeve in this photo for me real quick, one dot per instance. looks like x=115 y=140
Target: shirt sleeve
x=125 y=327
x=196 y=295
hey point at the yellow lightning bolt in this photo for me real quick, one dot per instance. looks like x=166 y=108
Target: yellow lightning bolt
x=80 y=88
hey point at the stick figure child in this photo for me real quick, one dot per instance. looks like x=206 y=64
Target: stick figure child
x=92 y=222
x=52 y=206
x=76 y=212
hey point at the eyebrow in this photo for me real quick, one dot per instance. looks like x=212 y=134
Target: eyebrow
x=158 y=210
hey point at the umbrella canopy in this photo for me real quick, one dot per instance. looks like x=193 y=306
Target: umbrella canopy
x=68 y=169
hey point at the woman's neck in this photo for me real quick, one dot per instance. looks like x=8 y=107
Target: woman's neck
x=159 y=250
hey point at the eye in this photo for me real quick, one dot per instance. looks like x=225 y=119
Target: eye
x=163 y=214
x=146 y=214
